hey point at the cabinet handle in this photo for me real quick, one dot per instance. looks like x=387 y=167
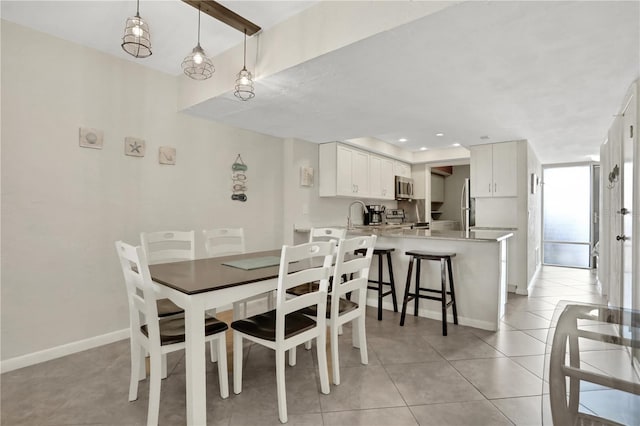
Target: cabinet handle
x=489 y=188
x=495 y=187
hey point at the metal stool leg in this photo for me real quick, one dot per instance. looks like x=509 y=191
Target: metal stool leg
x=380 y=288
x=453 y=293
x=392 y=284
x=406 y=292
x=417 y=296
x=443 y=299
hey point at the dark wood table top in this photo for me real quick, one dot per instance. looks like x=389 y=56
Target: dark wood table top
x=203 y=275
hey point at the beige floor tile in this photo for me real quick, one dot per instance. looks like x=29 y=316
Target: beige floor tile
x=475 y=413
x=431 y=382
x=525 y=320
x=400 y=416
x=515 y=343
x=526 y=411
x=499 y=377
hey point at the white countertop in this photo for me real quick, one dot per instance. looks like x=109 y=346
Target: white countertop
x=478 y=235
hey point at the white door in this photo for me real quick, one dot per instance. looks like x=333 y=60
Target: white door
x=626 y=211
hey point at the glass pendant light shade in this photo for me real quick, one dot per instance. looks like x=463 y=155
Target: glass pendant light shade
x=197 y=64
x=137 y=39
x=244 y=80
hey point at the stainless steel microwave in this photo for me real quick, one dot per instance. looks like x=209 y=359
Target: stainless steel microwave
x=404 y=188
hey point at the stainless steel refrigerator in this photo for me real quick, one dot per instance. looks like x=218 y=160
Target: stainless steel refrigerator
x=467 y=207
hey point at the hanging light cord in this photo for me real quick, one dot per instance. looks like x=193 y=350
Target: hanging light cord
x=244 y=59
x=198 y=24
x=138 y=8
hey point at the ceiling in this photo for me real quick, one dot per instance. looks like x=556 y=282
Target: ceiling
x=553 y=73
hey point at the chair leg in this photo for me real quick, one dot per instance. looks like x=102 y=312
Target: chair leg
x=406 y=292
x=213 y=350
x=307 y=345
x=340 y=331
x=392 y=283
x=323 y=370
x=453 y=293
x=236 y=311
x=154 y=387
x=136 y=356
x=362 y=337
x=164 y=366
x=280 y=385
x=223 y=374
x=237 y=362
x=292 y=355
x=335 y=358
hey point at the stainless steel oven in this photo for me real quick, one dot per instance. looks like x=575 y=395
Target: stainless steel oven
x=404 y=188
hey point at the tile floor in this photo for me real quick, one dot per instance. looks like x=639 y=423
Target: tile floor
x=415 y=376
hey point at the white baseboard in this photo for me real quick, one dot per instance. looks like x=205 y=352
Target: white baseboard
x=63 y=350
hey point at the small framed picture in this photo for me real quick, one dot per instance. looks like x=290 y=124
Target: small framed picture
x=134 y=147
x=167 y=155
x=91 y=138
x=306 y=176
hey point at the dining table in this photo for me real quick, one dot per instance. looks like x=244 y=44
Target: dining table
x=211 y=283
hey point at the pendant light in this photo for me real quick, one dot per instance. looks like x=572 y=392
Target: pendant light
x=197 y=64
x=137 y=39
x=244 y=81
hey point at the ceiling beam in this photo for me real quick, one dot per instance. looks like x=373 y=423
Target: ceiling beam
x=222 y=14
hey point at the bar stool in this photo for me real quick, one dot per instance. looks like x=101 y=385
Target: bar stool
x=442 y=258
x=380 y=252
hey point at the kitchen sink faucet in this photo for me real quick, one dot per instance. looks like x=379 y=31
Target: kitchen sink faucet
x=365 y=211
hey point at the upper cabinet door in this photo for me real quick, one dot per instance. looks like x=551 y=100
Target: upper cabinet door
x=375 y=177
x=505 y=160
x=344 y=185
x=360 y=173
x=402 y=169
x=387 y=179
x=494 y=170
x=481 y=171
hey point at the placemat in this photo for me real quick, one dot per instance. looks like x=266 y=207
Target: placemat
x=254 y=263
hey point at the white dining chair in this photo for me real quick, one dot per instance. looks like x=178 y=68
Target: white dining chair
x=319 y=234
x=285 y=328
x=158 y=336
x=226 y=242
x=339 y=310
x=168 y=246
x=165 y=247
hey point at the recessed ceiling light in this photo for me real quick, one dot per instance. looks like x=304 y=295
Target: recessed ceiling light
x=423 y=148
x=439 y=134
x=484 y=137
x=456 y=144
x=402 y=140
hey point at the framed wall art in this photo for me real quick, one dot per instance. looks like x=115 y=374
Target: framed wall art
x=91 y=138
x=167 y=155
x=134 y=147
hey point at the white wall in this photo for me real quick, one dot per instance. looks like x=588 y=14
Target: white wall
x=64 y=206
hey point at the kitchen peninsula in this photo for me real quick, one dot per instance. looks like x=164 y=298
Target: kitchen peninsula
x=479 y=270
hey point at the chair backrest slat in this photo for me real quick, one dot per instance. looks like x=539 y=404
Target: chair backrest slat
x=318 y=256
x=168 y=246
x=141 y=296
x=224 y=241
x=358 y=266
x=327 y=234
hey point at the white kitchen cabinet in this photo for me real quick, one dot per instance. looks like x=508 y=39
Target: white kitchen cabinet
x=402 y=169
x=437 y=188
x=344 y=171
x=381 y=179
x=494 y=170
